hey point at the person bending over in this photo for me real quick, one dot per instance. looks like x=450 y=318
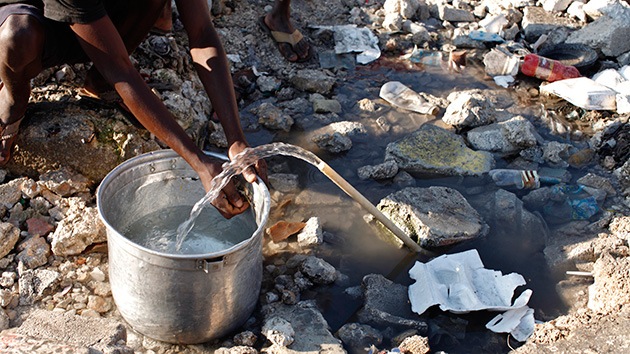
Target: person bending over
x=39 y=34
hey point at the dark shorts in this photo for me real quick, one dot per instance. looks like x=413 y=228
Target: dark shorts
x=60 y=45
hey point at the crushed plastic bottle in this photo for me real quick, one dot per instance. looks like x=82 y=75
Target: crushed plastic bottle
x=516 y=178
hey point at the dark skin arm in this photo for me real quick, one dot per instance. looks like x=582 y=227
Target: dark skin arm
x=211 y=64
x=104 y=46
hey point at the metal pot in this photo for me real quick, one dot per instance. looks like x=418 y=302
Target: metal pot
x=177 y=298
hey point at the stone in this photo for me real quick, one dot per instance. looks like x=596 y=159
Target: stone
x=11 y=192
x=80 y=228
x=434 y=216
x=318 y=270
x=452 y=14
x=386 y=170
x=557 y=153
x=357 y=337
x=278 y=331
x=38 y=227
x=387 y=304
x=415 y=344
x=311 y=235
x=620 y=227
x=432 y=149
x=334 y=142
x=326 y=106
x=35 y=284
x=310 y=80
x=556 y=5
x=469 y=109
x=536 y=22
x=273 y=118
x=34 y=252
x=607 y=34
x=268 y=83
x=348 y=128
x=598 y=182
x=9 y=235
x=406 y=8
x=506 y=137
x=609 y=292
x=312 y=334
x=65 y=182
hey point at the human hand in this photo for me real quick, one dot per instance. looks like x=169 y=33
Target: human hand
x=257 y=169
x=229 y=202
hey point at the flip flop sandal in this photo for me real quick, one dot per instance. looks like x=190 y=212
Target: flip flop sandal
x=9 y=132
x=283 y=37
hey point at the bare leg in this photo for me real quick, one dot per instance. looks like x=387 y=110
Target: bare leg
x=21 y=47
x=164 y=23
x=279 y=19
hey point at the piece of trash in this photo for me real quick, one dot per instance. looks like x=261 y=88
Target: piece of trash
x=518 y=322
x=484 y=36
x=500 y=62
x=570 y=202
x=584 y=93
x=579 y=274
x=547 y=69
x=402 y=96
x=494 y=23
x=352 y=39
x=457 y=61
x=425 y=57
x=459 y=283
x=258 y=73
x=516 y=178
x=504 y=80
x=579 y=55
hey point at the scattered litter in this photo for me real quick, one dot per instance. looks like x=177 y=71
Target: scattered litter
x=485 y=36
x=459 y=283
x=402 y=96
x=500 y=62
x=547 y=69
x=504 y=80
x=583 y=92
x=425 y=57
x=579 y=274
x=352 y=39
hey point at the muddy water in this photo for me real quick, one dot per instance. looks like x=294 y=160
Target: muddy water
x=357 y=248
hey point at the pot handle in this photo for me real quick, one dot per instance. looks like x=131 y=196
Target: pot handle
x=211 y=264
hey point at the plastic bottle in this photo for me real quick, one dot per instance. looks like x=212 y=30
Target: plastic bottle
x=547 y=69
x=517 y=178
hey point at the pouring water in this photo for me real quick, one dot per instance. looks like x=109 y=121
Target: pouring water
x=250 y=155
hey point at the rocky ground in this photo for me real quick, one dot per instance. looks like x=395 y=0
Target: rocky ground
x=54 y=288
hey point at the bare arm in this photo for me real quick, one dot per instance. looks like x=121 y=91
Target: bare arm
x=212 y=66
x=104 y=46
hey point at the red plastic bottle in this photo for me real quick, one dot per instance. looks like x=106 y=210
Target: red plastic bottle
x=547 y=69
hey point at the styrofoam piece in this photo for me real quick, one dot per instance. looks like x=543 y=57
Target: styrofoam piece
x=402 y=96
x=583 y=92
